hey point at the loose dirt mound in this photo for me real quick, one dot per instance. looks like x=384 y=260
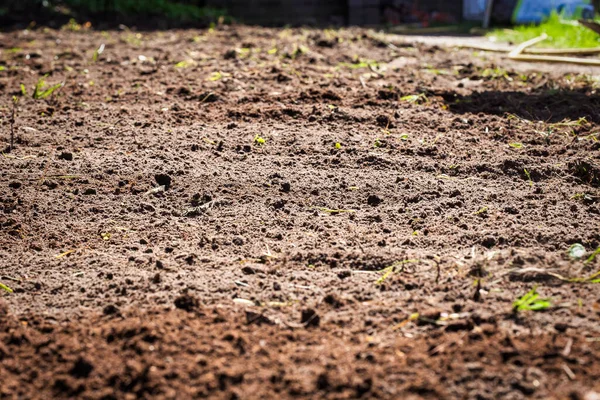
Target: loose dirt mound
x=252 y=213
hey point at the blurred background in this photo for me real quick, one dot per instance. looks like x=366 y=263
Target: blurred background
x=168 y=13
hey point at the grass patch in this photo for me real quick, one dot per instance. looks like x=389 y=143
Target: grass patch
x=561 y=34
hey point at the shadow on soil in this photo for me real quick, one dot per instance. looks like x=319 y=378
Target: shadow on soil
x=550 y=106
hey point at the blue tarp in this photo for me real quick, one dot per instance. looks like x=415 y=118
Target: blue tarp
x=533 y=11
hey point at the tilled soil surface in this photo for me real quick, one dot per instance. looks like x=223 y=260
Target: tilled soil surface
x=257 y=213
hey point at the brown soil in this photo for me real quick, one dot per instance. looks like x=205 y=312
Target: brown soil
x=255 y=271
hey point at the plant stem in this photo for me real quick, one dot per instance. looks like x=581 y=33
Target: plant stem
x=12 y=126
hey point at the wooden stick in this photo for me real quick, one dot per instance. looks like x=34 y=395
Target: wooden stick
x=504 y=49
x=517 y=55
x=556 y=59
x=591 y=50
x=519 y=49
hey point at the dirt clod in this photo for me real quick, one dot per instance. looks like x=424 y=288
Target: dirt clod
x=310 y=317
x=186 y=302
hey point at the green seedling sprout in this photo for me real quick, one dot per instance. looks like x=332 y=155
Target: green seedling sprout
x=338 y=146
x=40 y=93
x=392 y=269
x=482 y=210
x=415 y=98
x=258 y=140
x=215 y=76
x=334 y=211
x=528 y=176
x=6 y=288
x=97 y=53
x=531 y=302
x=185 y=64
x=516 y=145
x=592 y=257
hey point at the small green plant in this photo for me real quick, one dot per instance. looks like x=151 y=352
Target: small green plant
x=258 y=140
x=415 y=98
x=4 y=287
x=185 y=64
x=531 y=301
x=592 y=256
x=23 y=90
x=392 y=269
x=358 y=63
x=11 y=121
x=215 y=76
x=377 y=143
x=516 y=145
x=338 y=146
x=334 y=211
x=481 y=211
x=496 y=73
x=528 y=175
x=40 y=92
x=97 y=53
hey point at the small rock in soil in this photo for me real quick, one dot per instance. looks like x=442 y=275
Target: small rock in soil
x=247 y=270
x=163 y=180
x=65 y=155
x=110 y=309
x=344 y=274
x=258 y=319
x=374 y=200
x=186 y=302
x=82 y=368
x=333 y=300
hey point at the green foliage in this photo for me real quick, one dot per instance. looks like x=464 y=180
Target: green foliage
x=561 y=34
x=4 y=287
x=259 y=141
x=531 y=301
x=40 y=92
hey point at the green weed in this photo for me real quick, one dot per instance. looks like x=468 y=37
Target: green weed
x=496 y=73
x=259 y=141
x=561 y=34
x=531 y=301
x=97 y=53
x=392 y=269
x=415 y=98
x=592 y=257
x=4 y=287
x=359 y=63
x=40 y=92
x=528 y=175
